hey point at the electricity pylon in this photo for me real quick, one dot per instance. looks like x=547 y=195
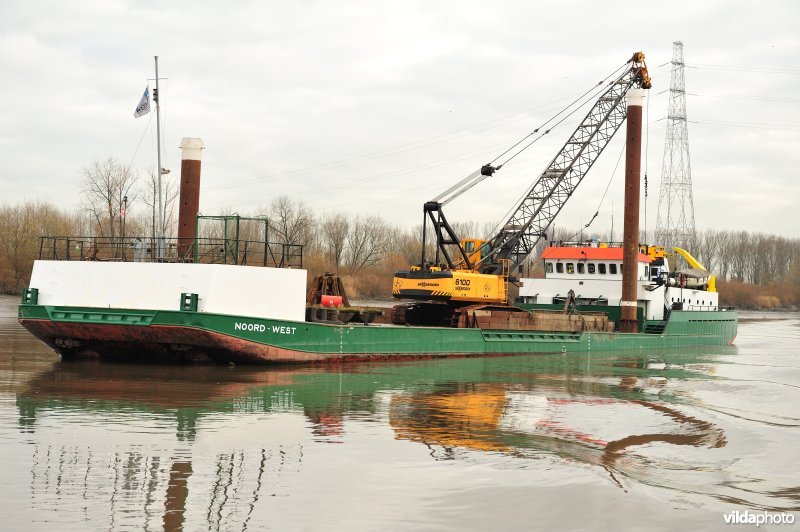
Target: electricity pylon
x=675 y=222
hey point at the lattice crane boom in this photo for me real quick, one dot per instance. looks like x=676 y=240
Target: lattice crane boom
x=517 y=238
x=480 y=271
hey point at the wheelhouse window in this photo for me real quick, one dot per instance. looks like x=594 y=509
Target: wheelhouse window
x=581 y=267
x=612 y=269
x=559 y=267
x=570 y=268
x=548 y=267
x=591 y=267
x=601 y=268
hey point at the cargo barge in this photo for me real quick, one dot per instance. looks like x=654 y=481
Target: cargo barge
x=178 y=337
x=187 y=305
x=254 y=315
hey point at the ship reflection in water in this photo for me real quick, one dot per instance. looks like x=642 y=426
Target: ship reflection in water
x=523 y=423
x=120 y=469
x=229 y=448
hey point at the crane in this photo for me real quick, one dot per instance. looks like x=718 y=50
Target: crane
x=479 y=271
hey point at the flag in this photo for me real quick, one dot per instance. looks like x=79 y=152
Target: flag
x=144 y=104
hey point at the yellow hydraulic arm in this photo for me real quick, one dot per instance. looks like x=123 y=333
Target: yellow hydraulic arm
x=694 y=263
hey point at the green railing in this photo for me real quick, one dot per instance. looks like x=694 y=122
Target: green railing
x=195 y=250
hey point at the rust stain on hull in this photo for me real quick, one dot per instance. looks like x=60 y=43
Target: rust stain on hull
x=173 y=344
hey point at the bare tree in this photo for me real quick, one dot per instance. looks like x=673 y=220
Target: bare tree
x=105 y=186
x=367 y=242
x=707 y=250
x=408 y=245
x=473 y=229
x=335 y=229
x=740 y=245
x=726 y=253
x=290 y=221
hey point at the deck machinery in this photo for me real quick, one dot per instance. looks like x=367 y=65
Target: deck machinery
x=471 y=272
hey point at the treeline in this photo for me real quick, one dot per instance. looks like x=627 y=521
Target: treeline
x=754 y=270
x=753 y=258
x=20 y=228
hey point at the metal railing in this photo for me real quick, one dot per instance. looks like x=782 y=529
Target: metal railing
x=195 y=250
x=708 y=308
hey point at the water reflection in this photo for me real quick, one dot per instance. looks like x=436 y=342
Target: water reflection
x=148 y=448
x=83 y=419
x=135 y=490
x=224 y=448
x=524 y=421
x=464 y=397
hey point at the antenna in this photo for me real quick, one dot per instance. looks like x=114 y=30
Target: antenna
x=675 y=222
x=611 y=238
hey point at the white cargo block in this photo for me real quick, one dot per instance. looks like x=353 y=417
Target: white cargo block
x=222 y=289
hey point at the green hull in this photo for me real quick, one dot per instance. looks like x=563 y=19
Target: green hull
x=186 y=336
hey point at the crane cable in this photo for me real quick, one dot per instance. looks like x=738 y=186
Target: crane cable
x=139 y=145
x=515 y=206
x=578 y=99
x=647 y=146
x=521 y=198
x=487 y=170
x=608 y=185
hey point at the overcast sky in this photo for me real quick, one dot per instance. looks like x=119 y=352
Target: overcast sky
x=375 y=107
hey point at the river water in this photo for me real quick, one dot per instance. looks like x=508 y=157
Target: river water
x=627 y=441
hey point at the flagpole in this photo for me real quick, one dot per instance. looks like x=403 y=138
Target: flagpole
x=158 y=142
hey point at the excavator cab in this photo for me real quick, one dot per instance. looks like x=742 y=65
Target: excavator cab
x=475 y=249
x=654 y=252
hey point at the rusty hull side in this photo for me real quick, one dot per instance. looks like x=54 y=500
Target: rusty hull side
x=182 y=344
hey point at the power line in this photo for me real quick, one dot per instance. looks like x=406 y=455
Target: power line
x=736 y=68
x=592 y=89
x=777 y=127
x=394 y=173
x=591 y=98
x=403 y=148
x=737 y=97
x=743 y=68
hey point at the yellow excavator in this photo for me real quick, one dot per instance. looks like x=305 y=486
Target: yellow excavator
x=467 y=272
